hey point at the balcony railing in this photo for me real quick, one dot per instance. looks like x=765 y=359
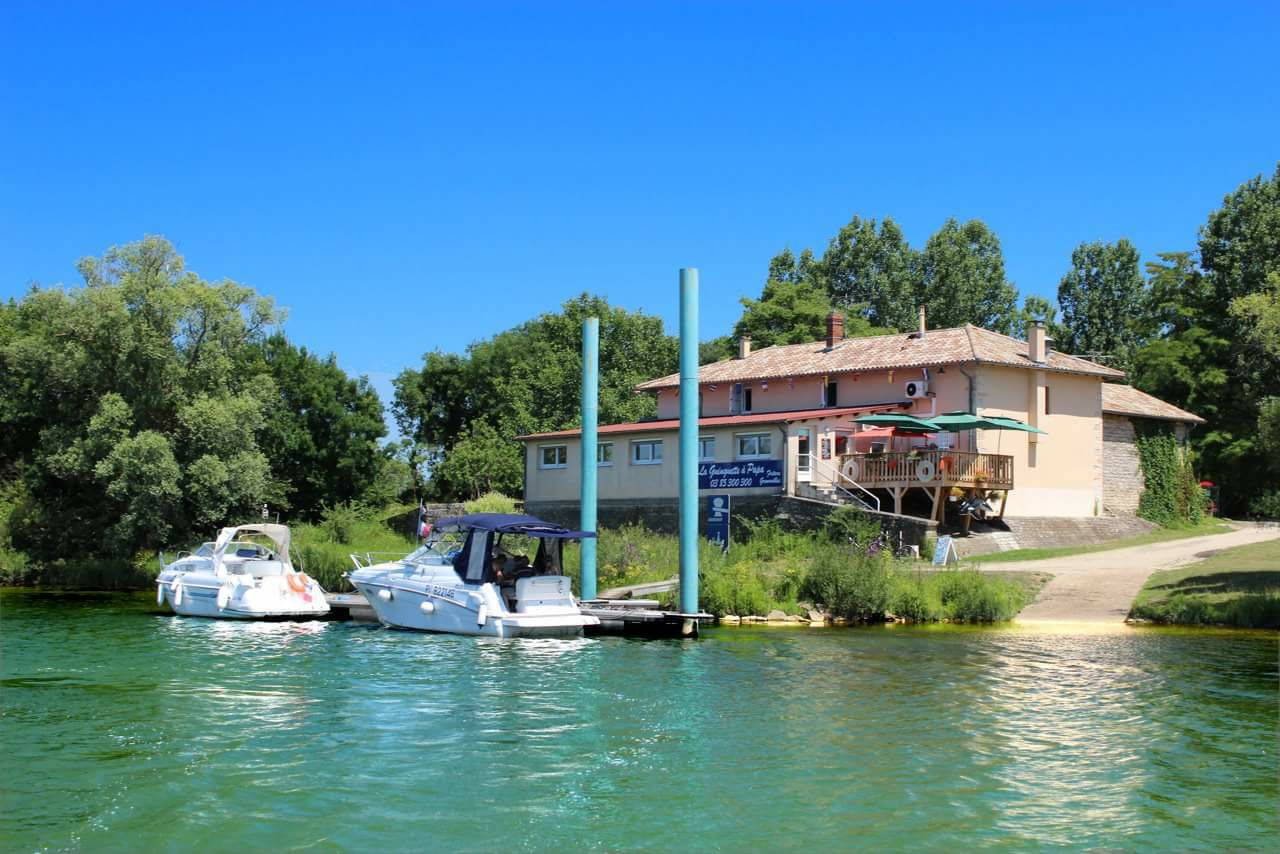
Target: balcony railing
x=929 y=468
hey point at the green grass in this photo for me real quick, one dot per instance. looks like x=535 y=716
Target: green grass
x=1237 y=587
x=1159 y=535
x=323 y=551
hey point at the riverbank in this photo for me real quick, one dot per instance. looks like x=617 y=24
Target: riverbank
x=1236 y=587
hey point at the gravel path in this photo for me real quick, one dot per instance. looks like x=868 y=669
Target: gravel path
x=1099 y=587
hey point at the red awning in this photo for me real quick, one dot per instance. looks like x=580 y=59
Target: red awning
x=726 y=420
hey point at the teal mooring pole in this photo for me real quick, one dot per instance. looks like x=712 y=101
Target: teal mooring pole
x=689 y=440
x=590 y=472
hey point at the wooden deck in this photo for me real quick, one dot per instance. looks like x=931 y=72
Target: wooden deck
x=934 y=471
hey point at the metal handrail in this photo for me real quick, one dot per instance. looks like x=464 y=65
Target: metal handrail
x=368 y=556
x=842 y=476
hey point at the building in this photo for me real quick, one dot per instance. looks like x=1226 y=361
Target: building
x=1124 y=409
x=780 y=420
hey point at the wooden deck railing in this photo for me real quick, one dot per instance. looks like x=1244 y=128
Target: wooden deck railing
x=929 y=468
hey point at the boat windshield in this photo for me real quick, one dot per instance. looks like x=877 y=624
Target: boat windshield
x=205 y=550
x=438 y=546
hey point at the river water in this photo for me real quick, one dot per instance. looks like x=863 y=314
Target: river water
x=124 y=729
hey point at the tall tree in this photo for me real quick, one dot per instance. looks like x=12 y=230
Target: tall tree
x=124 y=412
x=526 y=380
x=322 y=427
x=870 y=271
x=1102 y=299
x=963 y=278
x=1208 y=357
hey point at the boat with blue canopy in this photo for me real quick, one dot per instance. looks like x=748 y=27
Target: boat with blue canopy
x=494 y=574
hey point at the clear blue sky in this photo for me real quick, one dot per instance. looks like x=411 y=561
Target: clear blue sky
x=411 y=176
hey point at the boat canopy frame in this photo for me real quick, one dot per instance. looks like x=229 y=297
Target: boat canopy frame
x=474 y=564
x=278 y=534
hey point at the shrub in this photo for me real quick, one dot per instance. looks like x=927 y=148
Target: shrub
x=914 y=599
x=340 y=521
x=737 y=588
x=491 y=502
x=1267 y=505
x=848 y=524
x=850 y=584
x=970 y=596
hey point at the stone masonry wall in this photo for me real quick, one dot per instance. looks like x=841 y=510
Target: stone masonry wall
x=663 y=514
x=1122 y=482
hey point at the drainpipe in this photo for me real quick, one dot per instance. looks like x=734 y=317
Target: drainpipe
x=590 y=471
x=689 y=441
x=968 y=376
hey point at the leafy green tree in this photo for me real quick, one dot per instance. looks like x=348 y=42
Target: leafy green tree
x=869 y=270
x=1102 y=299
x=525 y=380
x=321 y=428
x=963 y=279
x=716 y=349
x=483 y=461
x=1207 y=357
x=787 y=312
x=148 y=406
x=1038 y=308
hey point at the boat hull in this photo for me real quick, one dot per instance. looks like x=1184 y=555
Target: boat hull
x=202 y=600
x=464 y=612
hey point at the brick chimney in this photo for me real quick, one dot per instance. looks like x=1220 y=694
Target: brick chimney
x=744 y=346
x=922 y=324
x=1036 y=342
x=835 y=328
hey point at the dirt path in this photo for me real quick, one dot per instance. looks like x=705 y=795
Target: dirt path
x=1099 y=587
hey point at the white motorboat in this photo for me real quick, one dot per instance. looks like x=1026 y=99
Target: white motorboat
x=245 y=574
x=493 y=574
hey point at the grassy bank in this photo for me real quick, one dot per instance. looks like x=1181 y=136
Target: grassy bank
x=1237 y=587
x=1159 y=535
x=769 y=569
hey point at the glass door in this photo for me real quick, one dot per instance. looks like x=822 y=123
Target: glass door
x=804 y=456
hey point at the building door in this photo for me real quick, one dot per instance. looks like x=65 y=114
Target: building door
x=804 y=456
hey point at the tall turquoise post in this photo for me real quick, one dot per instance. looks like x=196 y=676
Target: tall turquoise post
x=590 y=472
x=689 y=440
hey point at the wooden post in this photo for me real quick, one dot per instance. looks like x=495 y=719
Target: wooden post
x=1004 y=499
x=937 y=503
x=898 y=492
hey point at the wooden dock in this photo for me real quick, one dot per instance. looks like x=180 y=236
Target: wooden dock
x=639 y=618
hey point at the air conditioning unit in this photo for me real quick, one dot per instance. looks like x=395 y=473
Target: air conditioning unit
x=917 y=388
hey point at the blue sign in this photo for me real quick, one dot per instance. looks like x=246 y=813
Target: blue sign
x=718 y=520
x=741 y=474
x=945 y=552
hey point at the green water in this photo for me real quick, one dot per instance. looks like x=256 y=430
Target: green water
x=127 y=730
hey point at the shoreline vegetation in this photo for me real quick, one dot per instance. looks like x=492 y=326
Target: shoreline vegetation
x=1233 y=588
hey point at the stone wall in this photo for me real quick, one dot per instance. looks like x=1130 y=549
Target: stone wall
x=656 y=514
x=1032 y=532
x=807 y=515
x=663 y=514
x=1122 y=481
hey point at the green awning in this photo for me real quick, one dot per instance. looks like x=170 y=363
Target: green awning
x=906 y=422
x=954 y=422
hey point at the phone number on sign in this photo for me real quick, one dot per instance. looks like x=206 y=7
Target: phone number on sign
x=731 y=482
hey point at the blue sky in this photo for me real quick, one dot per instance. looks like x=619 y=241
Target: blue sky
x=411 y=176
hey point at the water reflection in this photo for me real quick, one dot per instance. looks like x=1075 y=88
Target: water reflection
x=126 y=729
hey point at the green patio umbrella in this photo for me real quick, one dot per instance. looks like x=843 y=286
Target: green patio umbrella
x=1000 y=422
x=954 y=422
x=906 y=422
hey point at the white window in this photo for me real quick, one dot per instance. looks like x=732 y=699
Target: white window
x=754 y=445
x=646 y=453
x=707 y=448
x=604 y=454
x=553 y=456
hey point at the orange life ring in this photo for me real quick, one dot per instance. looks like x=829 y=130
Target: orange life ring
x=298 y=581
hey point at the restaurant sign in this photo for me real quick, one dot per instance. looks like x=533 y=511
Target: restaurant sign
x=741 y=474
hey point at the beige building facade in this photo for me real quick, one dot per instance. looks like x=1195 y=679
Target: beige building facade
x=781 y=420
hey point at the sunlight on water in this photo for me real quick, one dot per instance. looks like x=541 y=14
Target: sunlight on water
x=129 y=730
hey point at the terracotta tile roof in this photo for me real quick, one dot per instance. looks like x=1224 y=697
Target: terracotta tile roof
x=1120 y=399
x=724 y=420
x=962 y=344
